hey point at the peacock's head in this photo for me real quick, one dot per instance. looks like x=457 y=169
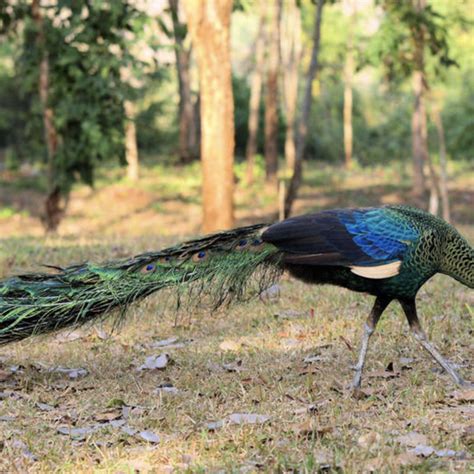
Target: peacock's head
x=458 y=258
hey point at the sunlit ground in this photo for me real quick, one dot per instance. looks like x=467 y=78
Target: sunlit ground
x=247 y=359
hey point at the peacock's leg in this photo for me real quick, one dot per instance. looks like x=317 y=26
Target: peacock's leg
x=409 y=307
x=369 y=328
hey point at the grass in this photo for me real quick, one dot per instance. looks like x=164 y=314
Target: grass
x=245 y=359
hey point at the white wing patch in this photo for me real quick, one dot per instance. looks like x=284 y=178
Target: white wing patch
x=378 y=272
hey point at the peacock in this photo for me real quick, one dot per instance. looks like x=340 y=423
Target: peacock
x=388 y=252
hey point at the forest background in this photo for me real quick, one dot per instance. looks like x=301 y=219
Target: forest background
x=128 y=126
x=251 y=89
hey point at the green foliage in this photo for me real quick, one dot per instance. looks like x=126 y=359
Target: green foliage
x=86 y=47
x=402 y=28
x=459 y=115
x=241 y=91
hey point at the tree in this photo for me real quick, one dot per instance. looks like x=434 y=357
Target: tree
x=53 y=210
x=290 y=46
x=188 y=142
x=271 y=93
x=131 y=148
x=302 y=129
x=411 y=33
x=70 y=64
x=443 y=175
x=255 y=97
x=348 y=78
x=209 y=26
x=418 y=124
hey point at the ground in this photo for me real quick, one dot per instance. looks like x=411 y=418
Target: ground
x=257 y=386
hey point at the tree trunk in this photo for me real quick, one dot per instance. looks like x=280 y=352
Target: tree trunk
x=348 y=76
x=290 y=45
x=53 y=209
x=271 y=94
x=254 y=103
x=419 y=139
x=209 y=26
x=187 y=122
x=443 y=181
x=131 y=149
x=434 y=188
x=302 y=130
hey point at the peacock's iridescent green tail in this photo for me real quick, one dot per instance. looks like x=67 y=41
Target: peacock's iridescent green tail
x=389 y=252
x=218 y=268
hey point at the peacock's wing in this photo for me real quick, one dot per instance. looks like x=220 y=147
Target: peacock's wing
x=372 y=241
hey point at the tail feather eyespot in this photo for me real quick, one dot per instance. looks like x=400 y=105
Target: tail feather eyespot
x=200 y=256
x=148 y=268
x=242 y=244
x=256 y=244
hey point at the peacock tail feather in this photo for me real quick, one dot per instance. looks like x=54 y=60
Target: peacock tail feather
x=218 y=268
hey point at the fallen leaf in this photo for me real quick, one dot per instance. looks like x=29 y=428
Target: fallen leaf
x=310 y=429
x=406 y=363
x=228 y=345
x=117 y=423
x=78 y=433
x=69 y=336
x=215 y=425
x=312 y=359
x=149 y=436
x=450 y=453
x=167 y=388
x=289 y=342
x=233 y=366
x=7 y=418
x=128 y=430
x=289 y=314
x=72 y=373
x=463 y=395
x=170 y=343
x=108 y=415
x=20 y=445
x=412 y=439
x=307 y=409
x=322 y=456
x=347 y=343
x=44 y=406
x=155 y=362
x=308 y=370
x=101 y=334
x=247 y=418
x=369 y=440
x=5 y=375
x=271 y=293
x=422 y=450
x=380 y=463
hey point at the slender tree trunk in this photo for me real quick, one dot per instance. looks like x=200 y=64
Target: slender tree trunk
x=131 y=149
x=443 y=174
x=348 y=76
x=434 y=188
x=302 y=130
x=290 y=46
x=419 y=139
x=53 y=209
x=187 y=122
x=209 y=26
x=254 y=104
x=271 y=94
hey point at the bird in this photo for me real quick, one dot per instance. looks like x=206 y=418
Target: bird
x=388 y=252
